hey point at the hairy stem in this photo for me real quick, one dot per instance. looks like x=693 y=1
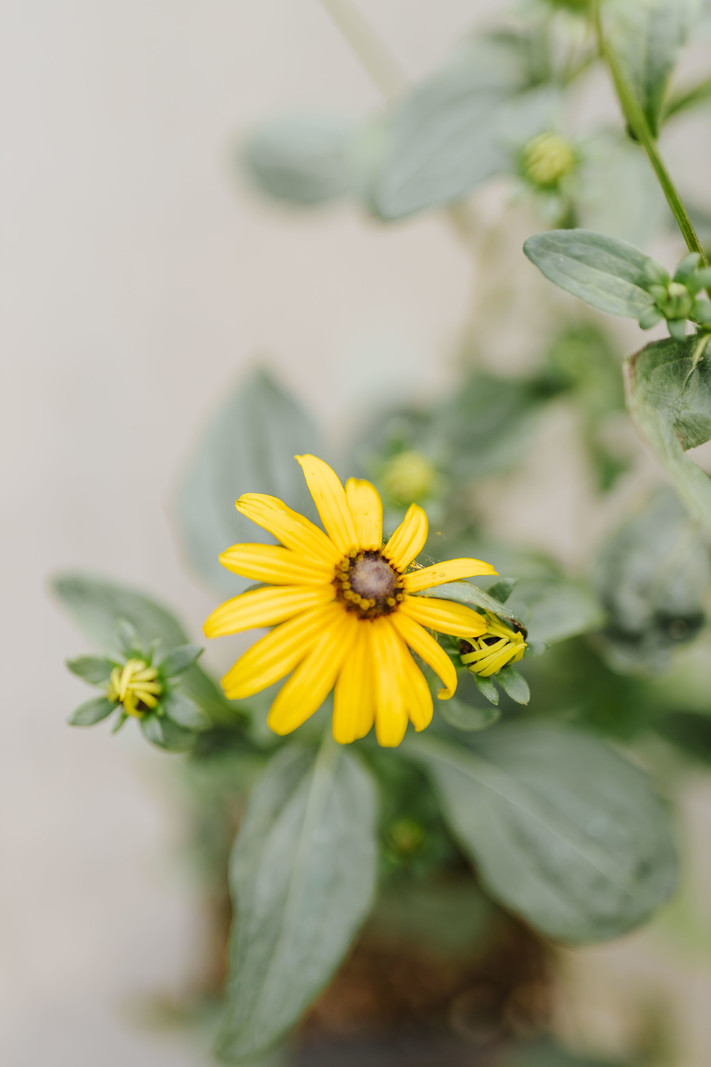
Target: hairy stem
x=637 y=122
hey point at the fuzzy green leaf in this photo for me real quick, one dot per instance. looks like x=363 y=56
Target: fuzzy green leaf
x=93 y=669
x=554 y=609
x=563 y=831
x=185 y=712
x=605 y=272
x=457 y=130
x=247 y=447
x=471 y=595
x=669 y=397
x=166 y=734
x=179 y=659
x=514 y=685
x=652 y=575
x=647 y=37
x=302 y=879
x=487 y=688
x=303 y=160
x=91 y=712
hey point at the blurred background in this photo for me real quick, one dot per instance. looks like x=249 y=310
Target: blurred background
x=140 y=277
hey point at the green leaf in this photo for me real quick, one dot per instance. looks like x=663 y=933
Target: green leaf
x=652 y=575
x=514 y=685
x=647 y=37
x=96 y=604
x=468 y=717
x=605 y=272
x=248 y=447
x=487 y=688
x=502 y=589
x=179 y=659
x=456 y=130
x=302 y=879
x=471 y=595
x=669 y=398
x=92 y=711
x=185 y=712
x=303 y=160
x=554 y=609
x=563 y=831
x=93 y=669
x=166 y=734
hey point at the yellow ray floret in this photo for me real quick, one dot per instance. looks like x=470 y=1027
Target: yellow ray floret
x=344 y=612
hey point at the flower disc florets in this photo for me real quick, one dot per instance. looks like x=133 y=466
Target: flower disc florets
x=367 y=584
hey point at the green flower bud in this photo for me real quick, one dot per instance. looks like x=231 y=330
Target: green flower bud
x=547 y=159
x=408 y=477
x=656 y=273
x=650 y=317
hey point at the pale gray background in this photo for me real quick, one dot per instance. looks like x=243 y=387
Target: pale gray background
x=137 y=279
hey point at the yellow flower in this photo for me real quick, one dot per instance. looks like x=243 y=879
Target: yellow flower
x=491 y=651
x=133 y=684
x=344 y=612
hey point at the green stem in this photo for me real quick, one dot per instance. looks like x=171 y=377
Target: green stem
x=375 y=57
x=637 y=122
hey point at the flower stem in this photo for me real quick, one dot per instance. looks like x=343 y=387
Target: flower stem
x=375 y=57
x=637 y=122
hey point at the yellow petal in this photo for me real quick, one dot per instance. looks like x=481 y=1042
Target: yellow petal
x=354 y=697
x=292 y=529
x=275 y=655
x=265 y=607
x=275 y=565
x=427 y=649
x=419 y=698
x=409 y=538
x=367 y=511
x=330 y=499
x=446 y=616
x=307 y=688
x=388 y=653
x=450 y=571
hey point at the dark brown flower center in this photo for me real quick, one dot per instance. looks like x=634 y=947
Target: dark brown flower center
x=367 y=584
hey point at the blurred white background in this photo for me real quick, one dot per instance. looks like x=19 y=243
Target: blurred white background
x=139 y=277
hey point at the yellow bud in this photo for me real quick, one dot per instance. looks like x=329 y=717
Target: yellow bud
x=408 y=477
x=547 y=158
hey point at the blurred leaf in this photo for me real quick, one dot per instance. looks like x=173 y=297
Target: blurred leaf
x=93 y=669
x=302 y=877
x=91 y=712
x=166 y=734
x=603 y=271
x=487 y=688
x=248 y=447
x=669 y=396
x=301 y=159
x=488 y=421
x=185 y=712
x=689 y=731
x=554 y=609
x=468 y=717
x=179 y=659
x=458 y=129
x=647 y=37
x=620 y=196
x=96 y=604
x=652 y=576
x=563 y=832
x=514 y=685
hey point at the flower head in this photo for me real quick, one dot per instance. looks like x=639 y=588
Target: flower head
x=499 y=646
x=142 y=684
x=546 y=159
x=345 y=612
